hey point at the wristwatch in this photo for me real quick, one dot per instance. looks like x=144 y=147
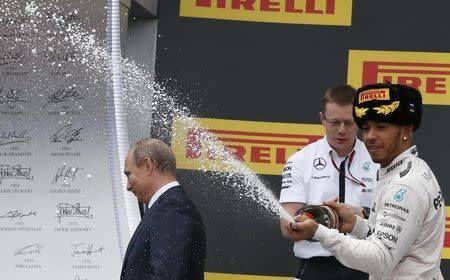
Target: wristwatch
x=366 y=212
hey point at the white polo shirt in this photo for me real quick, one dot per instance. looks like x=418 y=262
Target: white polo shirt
x=310 y=177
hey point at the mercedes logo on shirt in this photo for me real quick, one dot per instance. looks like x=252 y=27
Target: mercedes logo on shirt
x=319 y=163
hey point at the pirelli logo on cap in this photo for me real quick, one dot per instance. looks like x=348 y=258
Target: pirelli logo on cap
x=427 y=72
x=261 y=146
x=374 y=94
x=446 y=249
x=318 y=12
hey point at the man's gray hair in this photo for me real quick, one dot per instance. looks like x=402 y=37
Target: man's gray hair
x=158 y=152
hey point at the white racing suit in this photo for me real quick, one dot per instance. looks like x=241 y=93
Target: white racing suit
x=404 y=235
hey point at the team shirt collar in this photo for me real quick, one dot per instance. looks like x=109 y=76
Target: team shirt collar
x=329 y=150
x=398 y=161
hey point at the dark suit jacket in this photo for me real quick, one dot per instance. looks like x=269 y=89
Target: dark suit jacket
x=169 y=242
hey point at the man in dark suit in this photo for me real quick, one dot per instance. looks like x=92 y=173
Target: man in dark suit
x=169 y=242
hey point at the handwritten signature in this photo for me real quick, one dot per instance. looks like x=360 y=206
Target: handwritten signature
x=28 y=250
x=67 y=134
x=9 y=57
x=85 y=249
x=13 y=136
x=66 y=173
x=63 y=95
x=14 y=20
x=73 y=210
x=17 y=214
x=56 y=56
x=15 y=172
x=65 y=18
x=11 y=96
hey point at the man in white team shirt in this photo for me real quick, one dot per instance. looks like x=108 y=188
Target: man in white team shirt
x=337 y=165
x=404 y=235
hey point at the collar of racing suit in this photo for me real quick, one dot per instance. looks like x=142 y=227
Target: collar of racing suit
x=398 y=161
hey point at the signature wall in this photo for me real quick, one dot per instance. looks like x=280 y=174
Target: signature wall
x=59 y=215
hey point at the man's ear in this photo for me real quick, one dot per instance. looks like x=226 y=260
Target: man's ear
x=408 y=131
x=148 y=165
x=321 y=116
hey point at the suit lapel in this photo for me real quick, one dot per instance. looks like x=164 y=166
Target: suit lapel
x=147 y=216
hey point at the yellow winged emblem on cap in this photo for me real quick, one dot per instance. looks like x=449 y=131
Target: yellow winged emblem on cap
x=360 y=112
x=387 y=109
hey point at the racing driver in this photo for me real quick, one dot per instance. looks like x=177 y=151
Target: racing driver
x=405 y=232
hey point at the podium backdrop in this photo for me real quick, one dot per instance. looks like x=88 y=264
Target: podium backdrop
x=257 y=70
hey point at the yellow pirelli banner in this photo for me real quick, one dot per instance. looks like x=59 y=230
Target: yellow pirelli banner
x=428 y=72
x=318 y=12
x=261 y=146
x=446 y=249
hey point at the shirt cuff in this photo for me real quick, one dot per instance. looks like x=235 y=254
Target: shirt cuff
x=322 y=233
x=360 y=229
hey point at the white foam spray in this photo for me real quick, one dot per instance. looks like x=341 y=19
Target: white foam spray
x=58 y=31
